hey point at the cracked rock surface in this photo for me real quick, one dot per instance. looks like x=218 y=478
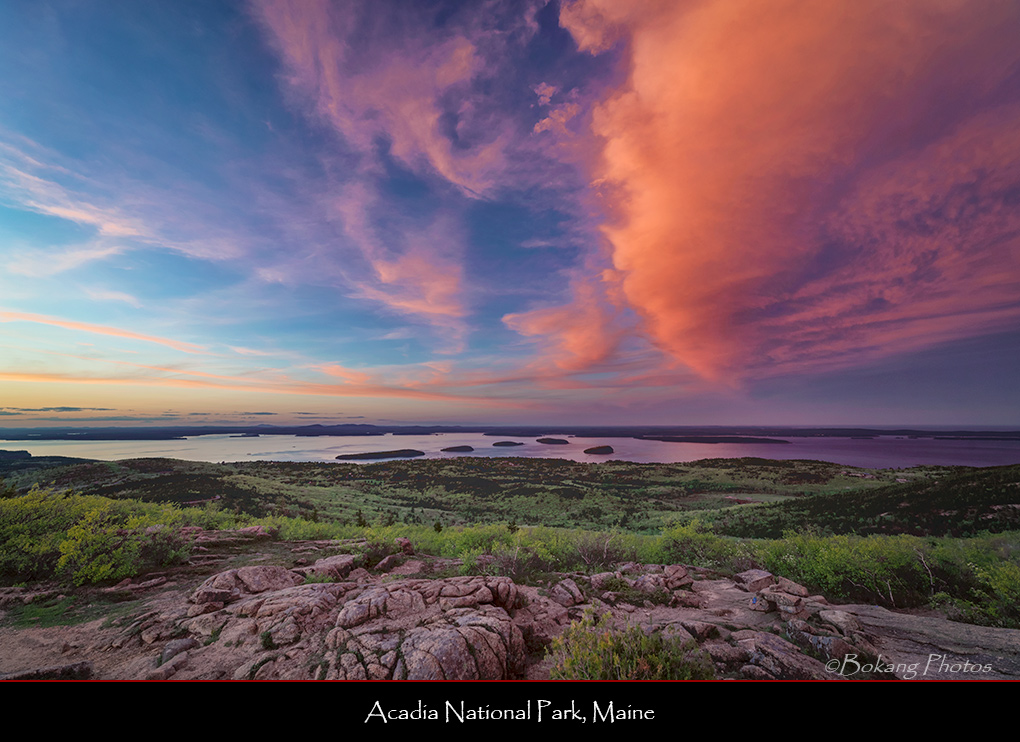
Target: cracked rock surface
x=266 y=622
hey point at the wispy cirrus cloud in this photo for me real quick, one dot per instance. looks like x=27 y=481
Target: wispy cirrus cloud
x=270 y=383
x=397 y=76
x=47 y=196
x=97 y=294
x=19 y=410
x=375 y=78
x=421 y=90
x=125 y=213
x=100 y=330
x=36 y=263
x=414 y=268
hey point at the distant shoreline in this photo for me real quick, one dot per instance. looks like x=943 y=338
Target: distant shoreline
x=680 y=434
x=710 y=439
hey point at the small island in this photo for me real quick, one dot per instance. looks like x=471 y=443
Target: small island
x=508 y=443
x=554 y=441
x=403 y=453
x=599 y=450
x=458 y=449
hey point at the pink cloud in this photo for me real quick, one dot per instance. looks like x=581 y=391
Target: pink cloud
x=100 y=330
x=399 y=84
x=545 y=92
x=576 y=335
x=415 y=270
x=804 y=183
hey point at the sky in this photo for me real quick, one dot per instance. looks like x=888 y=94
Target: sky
x=591 y=212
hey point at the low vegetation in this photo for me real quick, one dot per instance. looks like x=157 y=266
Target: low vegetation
x=899 y=544
x=638 y=498
x=590 y=649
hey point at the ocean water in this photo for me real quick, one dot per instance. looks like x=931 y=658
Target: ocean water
x=883 y=452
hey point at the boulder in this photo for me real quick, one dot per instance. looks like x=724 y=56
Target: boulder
x=754 y=580
x=567 y=593
x=780 y=658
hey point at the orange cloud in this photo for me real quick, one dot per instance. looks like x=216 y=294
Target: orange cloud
x=415 y=271
x=799 y=183
x=576 y=335
x=282 y=385
x=99 y=330
x=415 y=283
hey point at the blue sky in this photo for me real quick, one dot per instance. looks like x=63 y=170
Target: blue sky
x=528 y=211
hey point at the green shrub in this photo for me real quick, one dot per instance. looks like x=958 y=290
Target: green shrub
x=317 y=578
x=997 y=596
x=99 y=548
x=591 y=650
x=523 y=564
x=597 y=551
x=626 y=593
x=694 y=543
x=86 y=538
x=33 y=526
x=890 y=570
x=482 y=539
x=469 y=561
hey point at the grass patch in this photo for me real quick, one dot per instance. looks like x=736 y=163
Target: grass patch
x=63 y=610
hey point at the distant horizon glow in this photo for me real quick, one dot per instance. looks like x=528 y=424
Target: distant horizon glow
x=530 y=212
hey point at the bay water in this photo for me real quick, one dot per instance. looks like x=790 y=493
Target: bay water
x=882 y=452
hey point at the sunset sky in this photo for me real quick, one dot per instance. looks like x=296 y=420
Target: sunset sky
x=512 y=211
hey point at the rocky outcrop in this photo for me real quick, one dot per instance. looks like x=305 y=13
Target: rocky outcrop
x=270 y=622
x=455 y=628
x=262 y=622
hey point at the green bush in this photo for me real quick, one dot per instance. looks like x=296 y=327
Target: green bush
x=890 y=570
x=997 y=596
x=524 y=564
x=598 y=551
x=591 y=650
x=85 y=538
x=460 y=540
x=469 y=561
x=318 y=578
x=99 y=548
x=33 y=526
x=694 y=543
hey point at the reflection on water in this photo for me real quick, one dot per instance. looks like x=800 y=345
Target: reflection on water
x=877 y=453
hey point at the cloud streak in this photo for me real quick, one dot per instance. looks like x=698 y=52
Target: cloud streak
x=100 y=330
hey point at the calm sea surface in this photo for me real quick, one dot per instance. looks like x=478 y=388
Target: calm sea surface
x=883 y=452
